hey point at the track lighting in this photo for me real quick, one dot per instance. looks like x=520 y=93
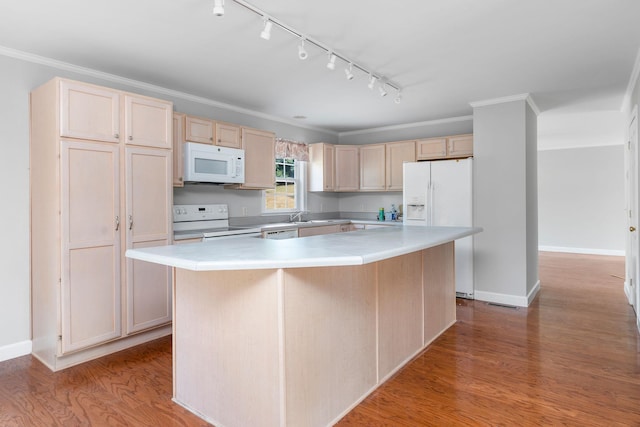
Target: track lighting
x=372 y=81
x=349 y=72
x=266 y=32
x=270 y=21
x=302 y=53
x=398 y=98
x=218 y=7
x=332 y=62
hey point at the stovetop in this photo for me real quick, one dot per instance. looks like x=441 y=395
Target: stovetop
x=192 y=221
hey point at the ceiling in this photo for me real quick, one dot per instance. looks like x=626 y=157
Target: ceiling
x=572 y=56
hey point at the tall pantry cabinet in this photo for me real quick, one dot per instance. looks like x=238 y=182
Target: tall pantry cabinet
x=101 y=182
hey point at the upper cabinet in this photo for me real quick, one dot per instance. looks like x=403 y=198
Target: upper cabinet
x=455 y=146
x=89 y=112
x=347 y=170
x=259 y=159
x=321 y=167
x=398 y=153
x=228 y=135
x=372 y=167
x=207 y=131
x=197 y=129
x=148 y=121
x=178 y=140
x=460 y=146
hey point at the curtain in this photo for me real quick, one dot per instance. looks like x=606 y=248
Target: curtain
x=288 y=149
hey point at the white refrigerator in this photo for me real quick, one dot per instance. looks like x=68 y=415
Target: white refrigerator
x=440 y=193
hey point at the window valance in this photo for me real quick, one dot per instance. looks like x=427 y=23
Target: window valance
x=288 y=149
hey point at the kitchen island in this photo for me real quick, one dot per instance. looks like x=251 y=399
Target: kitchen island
x=297 y=332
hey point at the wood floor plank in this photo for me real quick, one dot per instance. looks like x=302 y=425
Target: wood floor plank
x=572 y=358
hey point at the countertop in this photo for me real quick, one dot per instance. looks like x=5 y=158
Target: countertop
x=348 y=248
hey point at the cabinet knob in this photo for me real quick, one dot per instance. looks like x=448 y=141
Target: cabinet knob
x=180 y=179
x=116 y=136
x=632 y=229
x=130 y=138
x=211 y=139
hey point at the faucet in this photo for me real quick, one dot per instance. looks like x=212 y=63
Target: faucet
x=295 y=215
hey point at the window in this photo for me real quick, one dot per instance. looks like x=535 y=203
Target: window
x=288 y=195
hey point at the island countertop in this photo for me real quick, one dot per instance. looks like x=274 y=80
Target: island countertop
x=338 y=249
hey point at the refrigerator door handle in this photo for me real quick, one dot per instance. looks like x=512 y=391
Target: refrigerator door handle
x=431 y=207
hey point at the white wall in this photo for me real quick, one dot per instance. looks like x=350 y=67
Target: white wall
x=582 y=200
x=505 y=253
x=19 y=77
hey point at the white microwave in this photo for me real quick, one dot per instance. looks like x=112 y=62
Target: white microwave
x=210 y=163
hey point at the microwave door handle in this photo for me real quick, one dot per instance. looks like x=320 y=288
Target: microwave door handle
x=233 y=167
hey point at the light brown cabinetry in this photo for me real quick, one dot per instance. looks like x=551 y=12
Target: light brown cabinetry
x=318 y=230
x=91 y=199
x=198 y=129
x=178 y=140
x=321 y=167
x=398 y=153
x=347 y=168
x=228 y=135
x=259 y=159
x=372 y=167
x=207 y=131
x=445 y=147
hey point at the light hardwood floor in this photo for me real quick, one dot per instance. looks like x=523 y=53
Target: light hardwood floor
x=572 y=358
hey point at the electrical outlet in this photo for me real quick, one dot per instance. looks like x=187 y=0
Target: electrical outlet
x=244 y=211
x=361 y=207
x=321 y=207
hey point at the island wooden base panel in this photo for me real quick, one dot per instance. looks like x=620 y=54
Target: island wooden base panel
x=569 y=359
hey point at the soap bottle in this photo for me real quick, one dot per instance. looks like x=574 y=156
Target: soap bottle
x=394 y=213
x=381 y=214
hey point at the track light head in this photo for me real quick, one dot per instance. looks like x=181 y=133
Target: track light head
x=383 y=92
x=349 y=72
x=332 y=62
x=372 y=81
x=218 y=7
x=266 y=31
x=398 y=98
x=302 y=53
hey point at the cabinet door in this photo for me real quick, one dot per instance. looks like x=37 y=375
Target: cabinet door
x=148 y=223
x=90 y=209
x=228 y=135
x=431 y=148
x=148 y=122
x=198 y=130
x=178 y=140
x=460 y=146
x=89 y=112
x=316 y=231
x=321 y=167
x=398 y=153
x=259 y=158
x=347 y=168
x=372 y=167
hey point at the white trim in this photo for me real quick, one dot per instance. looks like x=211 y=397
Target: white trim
x=589 y=251
x=533 y=293
x=25 y=56
x=520 y=97
x=575 y=147
x=635 y=73
x=407 y=125
x=18 y=349
x=628 y=293
x=506 y=299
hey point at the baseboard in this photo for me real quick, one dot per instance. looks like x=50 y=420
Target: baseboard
x=628 y=292
x=533 y=293
x=504 y=299
x=12 y=351
x=587 y=251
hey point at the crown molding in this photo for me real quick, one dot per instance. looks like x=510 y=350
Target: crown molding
x=520 y=97
x=54 y=63
x=407 y=125
x=635 y=73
